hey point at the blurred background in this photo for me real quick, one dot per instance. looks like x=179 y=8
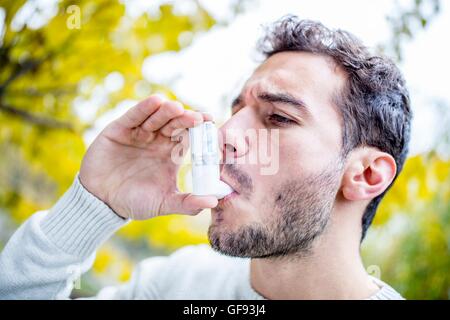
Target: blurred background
x=67 y=68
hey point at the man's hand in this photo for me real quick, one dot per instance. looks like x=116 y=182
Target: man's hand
x=129 y=164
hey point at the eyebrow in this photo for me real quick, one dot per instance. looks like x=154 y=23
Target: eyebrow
x=282 y=97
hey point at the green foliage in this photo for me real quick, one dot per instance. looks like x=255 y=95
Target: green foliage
x=405 y=22
x=410 y=239
x=42 y=73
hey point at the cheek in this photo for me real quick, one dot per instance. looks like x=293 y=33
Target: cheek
x=297 y=155
x=285 y=167
x=306 y=152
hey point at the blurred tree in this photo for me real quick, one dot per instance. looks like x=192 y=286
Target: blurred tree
x=410 y=238
x=57 y=77
x=406 y=21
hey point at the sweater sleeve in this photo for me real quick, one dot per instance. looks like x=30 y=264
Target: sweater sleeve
x=53 y=248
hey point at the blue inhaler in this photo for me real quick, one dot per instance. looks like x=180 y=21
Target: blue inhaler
x=205 y=158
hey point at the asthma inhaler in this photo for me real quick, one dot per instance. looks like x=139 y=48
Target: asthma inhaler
x=204 y=143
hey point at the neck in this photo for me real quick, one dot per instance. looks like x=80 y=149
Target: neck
x=332 y=270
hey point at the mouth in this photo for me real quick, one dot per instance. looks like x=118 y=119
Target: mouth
x=232 y=195
x=228 y=198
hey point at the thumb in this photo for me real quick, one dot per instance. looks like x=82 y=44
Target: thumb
x=187 y=203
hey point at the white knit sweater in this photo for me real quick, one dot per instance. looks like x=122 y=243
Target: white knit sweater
x=52 y=249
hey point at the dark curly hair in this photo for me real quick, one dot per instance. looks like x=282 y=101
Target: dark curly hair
x=374 y=103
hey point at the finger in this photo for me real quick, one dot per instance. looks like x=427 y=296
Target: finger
x=187 y=203
x=166 y=112
x=188 y=119
x=136 y=115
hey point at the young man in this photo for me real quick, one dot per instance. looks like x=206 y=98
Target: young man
x=342 y=118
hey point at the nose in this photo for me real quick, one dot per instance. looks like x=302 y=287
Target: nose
x=233 y=140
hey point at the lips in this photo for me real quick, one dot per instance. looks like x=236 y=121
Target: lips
x=232 y=195
x=224 y=179
x=229 y=197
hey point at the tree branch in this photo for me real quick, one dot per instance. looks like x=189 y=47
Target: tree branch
x=40 y=92
x=21 y=68
x=35 y=119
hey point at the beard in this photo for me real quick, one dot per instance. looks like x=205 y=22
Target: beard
x=301 y=211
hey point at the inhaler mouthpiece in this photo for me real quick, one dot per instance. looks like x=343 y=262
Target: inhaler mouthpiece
x=205 y=162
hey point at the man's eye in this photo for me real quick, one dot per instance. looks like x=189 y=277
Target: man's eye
x=278 y=119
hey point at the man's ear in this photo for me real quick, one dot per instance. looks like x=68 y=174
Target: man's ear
x=368 y=173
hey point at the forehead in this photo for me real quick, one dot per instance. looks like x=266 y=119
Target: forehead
x=313 y=77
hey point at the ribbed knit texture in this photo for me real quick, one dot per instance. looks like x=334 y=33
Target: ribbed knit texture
x=79 y=222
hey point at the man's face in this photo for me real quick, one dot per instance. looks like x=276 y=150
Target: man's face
x=286 y=108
